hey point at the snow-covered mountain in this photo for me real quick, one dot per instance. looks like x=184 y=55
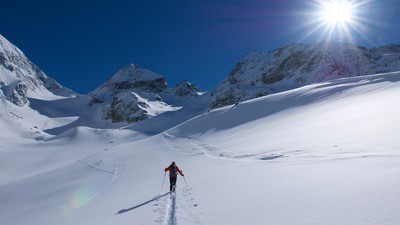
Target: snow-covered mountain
x=141 y=98
x=29 y=98
x=296 y=65
x=22 y=82
x=134 y=94
x=20 y=79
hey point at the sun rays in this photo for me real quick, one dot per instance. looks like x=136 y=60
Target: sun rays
x=335 y=20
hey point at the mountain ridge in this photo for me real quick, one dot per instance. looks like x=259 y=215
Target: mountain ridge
x=142 y=99
x=296 y=65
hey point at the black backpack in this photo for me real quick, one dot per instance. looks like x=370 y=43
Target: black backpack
x=172 y=171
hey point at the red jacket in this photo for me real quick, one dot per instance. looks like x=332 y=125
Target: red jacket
x=177 y=170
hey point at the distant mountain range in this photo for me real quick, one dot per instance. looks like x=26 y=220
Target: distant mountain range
x=139 y=97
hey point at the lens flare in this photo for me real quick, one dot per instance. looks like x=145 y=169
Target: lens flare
x=79 y=198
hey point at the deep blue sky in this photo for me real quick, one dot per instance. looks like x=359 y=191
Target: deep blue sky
x=82 y=43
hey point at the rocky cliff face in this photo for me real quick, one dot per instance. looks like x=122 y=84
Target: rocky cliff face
x=259 y=74
x=126 y=107
x=20 y=78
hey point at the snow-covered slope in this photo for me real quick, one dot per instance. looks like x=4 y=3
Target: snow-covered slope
x=325 y=153
x=259 y=74
x=359 y=110
x=22 y=82
x=21 y=122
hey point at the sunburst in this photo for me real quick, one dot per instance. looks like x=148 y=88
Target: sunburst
x=335 y=20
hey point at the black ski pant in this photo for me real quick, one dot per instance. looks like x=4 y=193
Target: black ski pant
x=172 y=182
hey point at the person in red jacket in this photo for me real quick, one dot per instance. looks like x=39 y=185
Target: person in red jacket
x=173 y=174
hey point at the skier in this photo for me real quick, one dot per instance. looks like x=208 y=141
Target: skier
x=173 y=174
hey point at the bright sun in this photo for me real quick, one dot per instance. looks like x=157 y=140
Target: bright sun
x=339 y=20
x=337 y=13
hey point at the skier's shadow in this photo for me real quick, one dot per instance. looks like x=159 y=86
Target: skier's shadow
x=142 y=204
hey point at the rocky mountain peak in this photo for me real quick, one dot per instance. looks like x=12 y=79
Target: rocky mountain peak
x=20 y=78
x=133 y=76
x=135 y=93
x=185 y=88
x=134 y=72
x=132 y=94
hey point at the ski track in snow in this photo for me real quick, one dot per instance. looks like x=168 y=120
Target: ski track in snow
x=193 y=145
x=170 y=216
x=334 y=152
x=94 y=161
x=177 y=206
x=181 y=204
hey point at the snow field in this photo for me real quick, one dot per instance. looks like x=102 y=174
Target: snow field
x=322 y=154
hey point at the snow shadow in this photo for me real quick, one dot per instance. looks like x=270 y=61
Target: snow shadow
x=142 y=204
x=84 y=114
x=271 y=157
x=255 y=156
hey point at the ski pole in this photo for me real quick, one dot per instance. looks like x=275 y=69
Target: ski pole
x=185 y=181
x=163 y=181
